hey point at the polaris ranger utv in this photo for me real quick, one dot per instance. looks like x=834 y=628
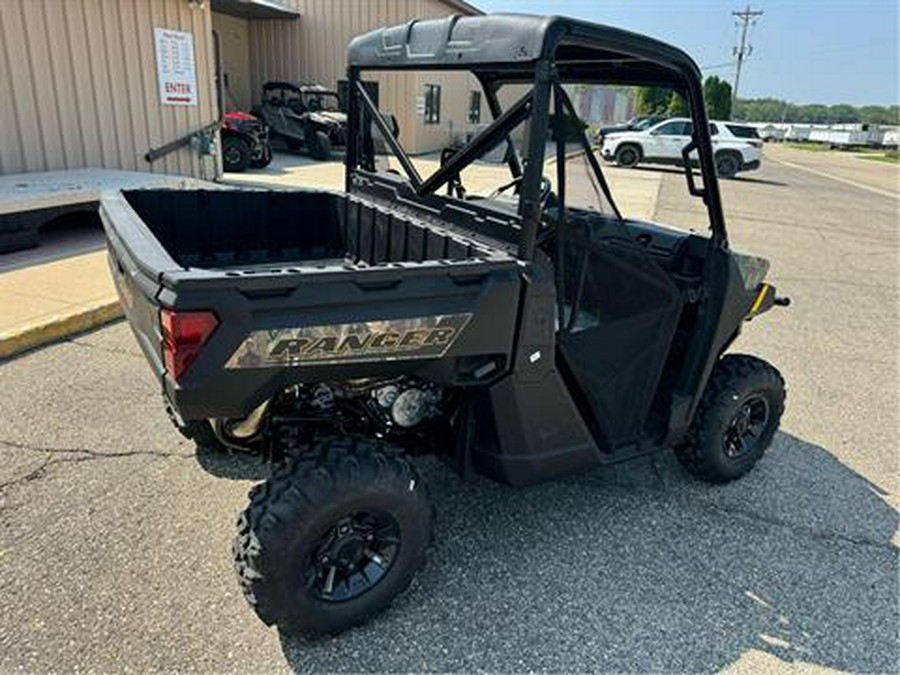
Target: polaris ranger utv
x=523 y=334
x=307 y=116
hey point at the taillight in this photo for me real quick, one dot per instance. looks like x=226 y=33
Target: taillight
x=184 y=334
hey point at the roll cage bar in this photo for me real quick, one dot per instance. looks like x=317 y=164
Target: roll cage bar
x=565 y=50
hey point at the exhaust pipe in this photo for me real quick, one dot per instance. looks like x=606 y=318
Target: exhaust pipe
x=236 y=433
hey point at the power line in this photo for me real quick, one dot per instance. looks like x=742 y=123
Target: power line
x=728 y=64
x=747 y=17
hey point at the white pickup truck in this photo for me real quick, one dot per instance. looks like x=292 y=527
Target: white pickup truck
x=737 y=147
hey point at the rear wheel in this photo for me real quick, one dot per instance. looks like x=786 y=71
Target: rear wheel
x=736 y=421
x=627 y=156
x=332 y=537
x=320 y=146
x=727 y=165
x=201 y=432
x=235 y=154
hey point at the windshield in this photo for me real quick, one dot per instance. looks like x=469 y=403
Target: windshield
x=322 y=102
x=643 y=124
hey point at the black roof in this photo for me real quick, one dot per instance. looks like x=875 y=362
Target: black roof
x=504 y=46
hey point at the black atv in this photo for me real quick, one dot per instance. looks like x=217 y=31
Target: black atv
x=245 y=142
x=523 y=334
x=305 y=117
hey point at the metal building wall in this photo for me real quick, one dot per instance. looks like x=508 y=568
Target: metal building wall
x=78 y=85
x=313 y=49
x=234 y=59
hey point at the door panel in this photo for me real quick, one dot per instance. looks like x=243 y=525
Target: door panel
x=670 y=138
x=620 y=311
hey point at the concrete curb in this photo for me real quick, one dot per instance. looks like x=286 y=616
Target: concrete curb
x=60 y=326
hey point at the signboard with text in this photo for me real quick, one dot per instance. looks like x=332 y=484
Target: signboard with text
x=175 y=67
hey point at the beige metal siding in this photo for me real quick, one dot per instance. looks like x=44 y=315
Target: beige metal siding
x=455 y=87
x=313 y=49
x=78 y=85
x=234 y=60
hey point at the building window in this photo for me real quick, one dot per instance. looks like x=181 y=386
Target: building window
x=475 y=107
x=432 y=104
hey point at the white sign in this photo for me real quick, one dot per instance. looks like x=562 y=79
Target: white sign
x=420 y=105
x=175 y=67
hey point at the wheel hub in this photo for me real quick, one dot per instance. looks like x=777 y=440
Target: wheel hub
x=744 y=433
x=353 y=556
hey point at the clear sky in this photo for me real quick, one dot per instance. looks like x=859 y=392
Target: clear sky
x=804 y=51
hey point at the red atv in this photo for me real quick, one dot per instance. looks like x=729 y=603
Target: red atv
x=245 y=142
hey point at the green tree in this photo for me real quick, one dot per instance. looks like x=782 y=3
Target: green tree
x=775 y=110
x=717 y=94
x=843 y=113
x=652 y=101
x=677 y=106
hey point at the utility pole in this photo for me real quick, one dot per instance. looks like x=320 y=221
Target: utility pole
x=746 y=17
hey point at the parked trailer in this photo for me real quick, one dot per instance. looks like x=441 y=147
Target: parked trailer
x=842 y=135
x=891 y=138
x=30 y=201
x=771 y=133
x=798 y=132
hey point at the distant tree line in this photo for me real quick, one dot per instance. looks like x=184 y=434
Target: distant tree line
x=775 y=110
x=664 y=102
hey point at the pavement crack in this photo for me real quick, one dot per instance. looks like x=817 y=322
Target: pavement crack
x=74 y=456
x=802 y=530
x=122 y=352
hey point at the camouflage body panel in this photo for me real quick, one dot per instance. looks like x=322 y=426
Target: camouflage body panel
x=753 y=269
x=426 y=337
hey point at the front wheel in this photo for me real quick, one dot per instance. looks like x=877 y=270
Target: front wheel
x=332 y=537
x=235 y=154
x=320 y=146
x=737 y=418
x=627 y=156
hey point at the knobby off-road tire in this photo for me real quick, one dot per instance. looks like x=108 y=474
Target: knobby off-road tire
x=345 y=505
x=235 y=154
x=320 y=146
x=264 y=159
x=201 y=433
x=737 y=418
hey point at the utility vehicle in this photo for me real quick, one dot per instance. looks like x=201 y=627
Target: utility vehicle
x=306 y=116
x=245 y=142
x=663 y=143
x=521 y=333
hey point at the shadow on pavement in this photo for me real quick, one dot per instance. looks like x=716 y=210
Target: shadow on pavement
x=641 y=568
x=740 y=178
x=233 y=464
x=744 y=178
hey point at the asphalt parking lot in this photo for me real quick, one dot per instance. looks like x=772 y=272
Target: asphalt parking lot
x=115 y=532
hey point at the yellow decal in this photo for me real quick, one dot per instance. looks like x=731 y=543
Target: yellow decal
x=759 y=298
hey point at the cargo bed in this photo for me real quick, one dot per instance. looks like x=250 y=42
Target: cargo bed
x=270 y=264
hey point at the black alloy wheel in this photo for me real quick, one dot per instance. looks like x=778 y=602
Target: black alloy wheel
x=353 y=556
x=745 y=431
